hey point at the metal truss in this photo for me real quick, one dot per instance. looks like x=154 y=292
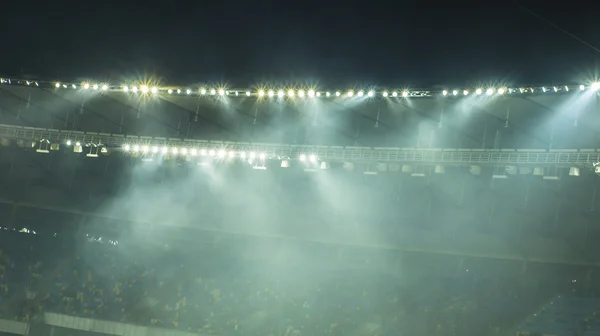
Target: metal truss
x=449 y=156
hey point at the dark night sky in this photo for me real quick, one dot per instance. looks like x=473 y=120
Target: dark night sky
x=416 y=43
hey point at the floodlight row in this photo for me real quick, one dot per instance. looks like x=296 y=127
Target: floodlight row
x=136 y=149
x=145 y=89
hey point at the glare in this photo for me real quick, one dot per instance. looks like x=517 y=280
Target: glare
x=154 y=149
x=291 y=93
x=125 y=89
x=394 y=94
x=490 y=91
x=231 y=155
x=170 y=91
x=301 y=93
x=95 y=86
x=501 y=91
x=385 y=94
x=595 y=86
x=248 y=93
x=243 y=155
x=581 y=87
x=302 y=157
x=271 y=93
x=213 y=92
x=311 y=93
x=370 y=94
x=280 y=93
x=454 y=93
x=261 y=93
x=222 y=153
x=145 y=149
x=202 y=91
x=104 y=87
x=445 y=92
x=184 y=151
x=478 y=91
x=350 y=93
x=144 y=89
x=313 y=158
x=134 y=89
x=360 y=93
x=136 y=148
x=262 y=156
x=337 y=93
x=174 y=150
x=86 y=86
x=465 y=92
x=221 y=92
x=252 y=155
x=57 y=85
x=164 y=150
x=126 y=148
x=404 y=93
x=154 y=90
x=194 y=151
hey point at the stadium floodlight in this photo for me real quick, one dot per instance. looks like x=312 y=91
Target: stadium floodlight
x=582 y=87
x=104 y=87
x=202 y=91
x=370 y=94
x=57 y=85
x=154 y=90
x=311 y=93
x=360 y=93
x=96 y=87
x=501 y=91
x=337 y=93
x=248 y=93
x=445 y=92
x=465 y=92
x=350 y=93
x=404 y=94
x=280 y=93
x=221 y=92
x=291 y=93
x=478 y=91
x=454 y=92
x=301 y=93
x=595 y=86
x=394 y=94
x=385 y=94
x=489 y=91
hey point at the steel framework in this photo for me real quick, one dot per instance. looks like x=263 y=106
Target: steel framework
x=450 y=156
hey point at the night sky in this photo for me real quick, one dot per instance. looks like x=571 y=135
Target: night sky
x=403 y=43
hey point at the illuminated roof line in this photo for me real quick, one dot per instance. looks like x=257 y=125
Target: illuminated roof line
x=300 y=92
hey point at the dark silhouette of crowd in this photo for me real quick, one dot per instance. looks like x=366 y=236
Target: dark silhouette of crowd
x=215 y=291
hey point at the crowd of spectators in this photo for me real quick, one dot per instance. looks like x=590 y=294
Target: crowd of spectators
x=214 y=292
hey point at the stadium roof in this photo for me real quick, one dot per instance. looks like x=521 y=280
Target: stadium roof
x=301 y=91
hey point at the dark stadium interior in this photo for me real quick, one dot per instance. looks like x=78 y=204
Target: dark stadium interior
x=218 y=248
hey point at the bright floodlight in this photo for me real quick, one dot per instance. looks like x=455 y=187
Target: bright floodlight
x=385 y=94
x=271 y=93
x=465 y=92
x=86 y=86
x=126 y=148
x=248 y=93
x=300 y=93
x=404 y=93
x=125 y=88
x=291 y=93
x=144 y=89
x=170 y=91
x=261 y=93
x=454 y=92
x=302 y=157
x=313 y=158
x=350 y=93
x=104 y=87
x=311 y=93
x=262 y=156
x=501 y=91
x=96 y=86
x=595 y=86
x=370 y=94
x=154 y=90
x=337 y=93
x=444 y=92
x=202 y=91
x=145 y=149
x=136 y=148
x=360 y=93
x=164 y=150
x=490 y=91
x=581 y=87
x=478 y=91
x=280 y=93
x=221 y=92
x=134 y=89
x=57 y=85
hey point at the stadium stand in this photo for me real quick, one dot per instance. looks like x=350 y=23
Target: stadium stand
x=419 y=242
